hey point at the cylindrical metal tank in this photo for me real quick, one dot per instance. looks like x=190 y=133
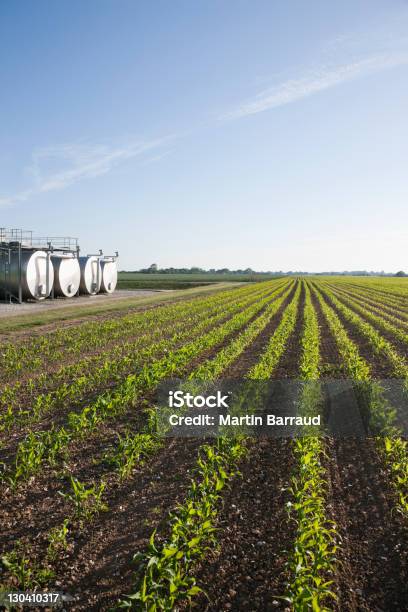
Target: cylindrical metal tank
x=109 y=276
x=37 y=274
x=67 y=275
x=91 y=275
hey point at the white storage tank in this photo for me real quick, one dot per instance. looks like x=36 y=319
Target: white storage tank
x=109 y=276
x=37 y=274
x=91 y=275
x=67 y=275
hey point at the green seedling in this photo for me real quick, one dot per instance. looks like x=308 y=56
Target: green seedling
x=87 y=501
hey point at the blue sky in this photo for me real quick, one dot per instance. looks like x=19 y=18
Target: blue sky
x=214 y=133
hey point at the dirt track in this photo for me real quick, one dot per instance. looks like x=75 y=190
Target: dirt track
x=13 y=310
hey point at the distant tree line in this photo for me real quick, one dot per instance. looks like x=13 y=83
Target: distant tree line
x=195 y=270
x=154 y=269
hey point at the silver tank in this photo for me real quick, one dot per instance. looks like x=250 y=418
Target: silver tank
x=109 y=276
x=67 y=275
x=91 y=275
x=37 y=274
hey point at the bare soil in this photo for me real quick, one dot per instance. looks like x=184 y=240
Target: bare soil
x=248 y=571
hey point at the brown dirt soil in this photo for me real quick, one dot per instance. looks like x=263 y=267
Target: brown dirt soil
x=99 y=570
x=288 y=366
x=248 y=571
x=330 y=360
x=373 y=573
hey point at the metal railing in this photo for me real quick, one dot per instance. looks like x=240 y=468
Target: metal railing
x=28 y=240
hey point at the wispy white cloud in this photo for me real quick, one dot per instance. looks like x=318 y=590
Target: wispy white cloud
x=156 y=158
x=57 y=167
x=317 y=80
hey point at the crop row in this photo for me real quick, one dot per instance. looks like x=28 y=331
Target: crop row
x=380 y=345
x=48 y=445
x=92 y=374
x=61 y=344
x=149 y=439
x=373 y=398
x=378 y=319
x=313 y=558
x=380 y=306
x=379 y=290
x=165 y=569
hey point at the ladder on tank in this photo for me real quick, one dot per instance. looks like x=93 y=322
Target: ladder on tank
x=5 y=265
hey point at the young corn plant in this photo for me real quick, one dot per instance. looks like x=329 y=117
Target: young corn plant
x=163 y=576
x=313 y=560
x=130 y=451
x=379 y=344
x=87 y=501
x=24 y=571
x=18 y=565
x=73 y=381
x=57 y=541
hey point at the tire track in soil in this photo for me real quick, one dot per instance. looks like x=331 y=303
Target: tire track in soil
x=249 y=570
x=372 y=572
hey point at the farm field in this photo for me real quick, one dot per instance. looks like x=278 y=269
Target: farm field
x=98 y=505
x=16 y=317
